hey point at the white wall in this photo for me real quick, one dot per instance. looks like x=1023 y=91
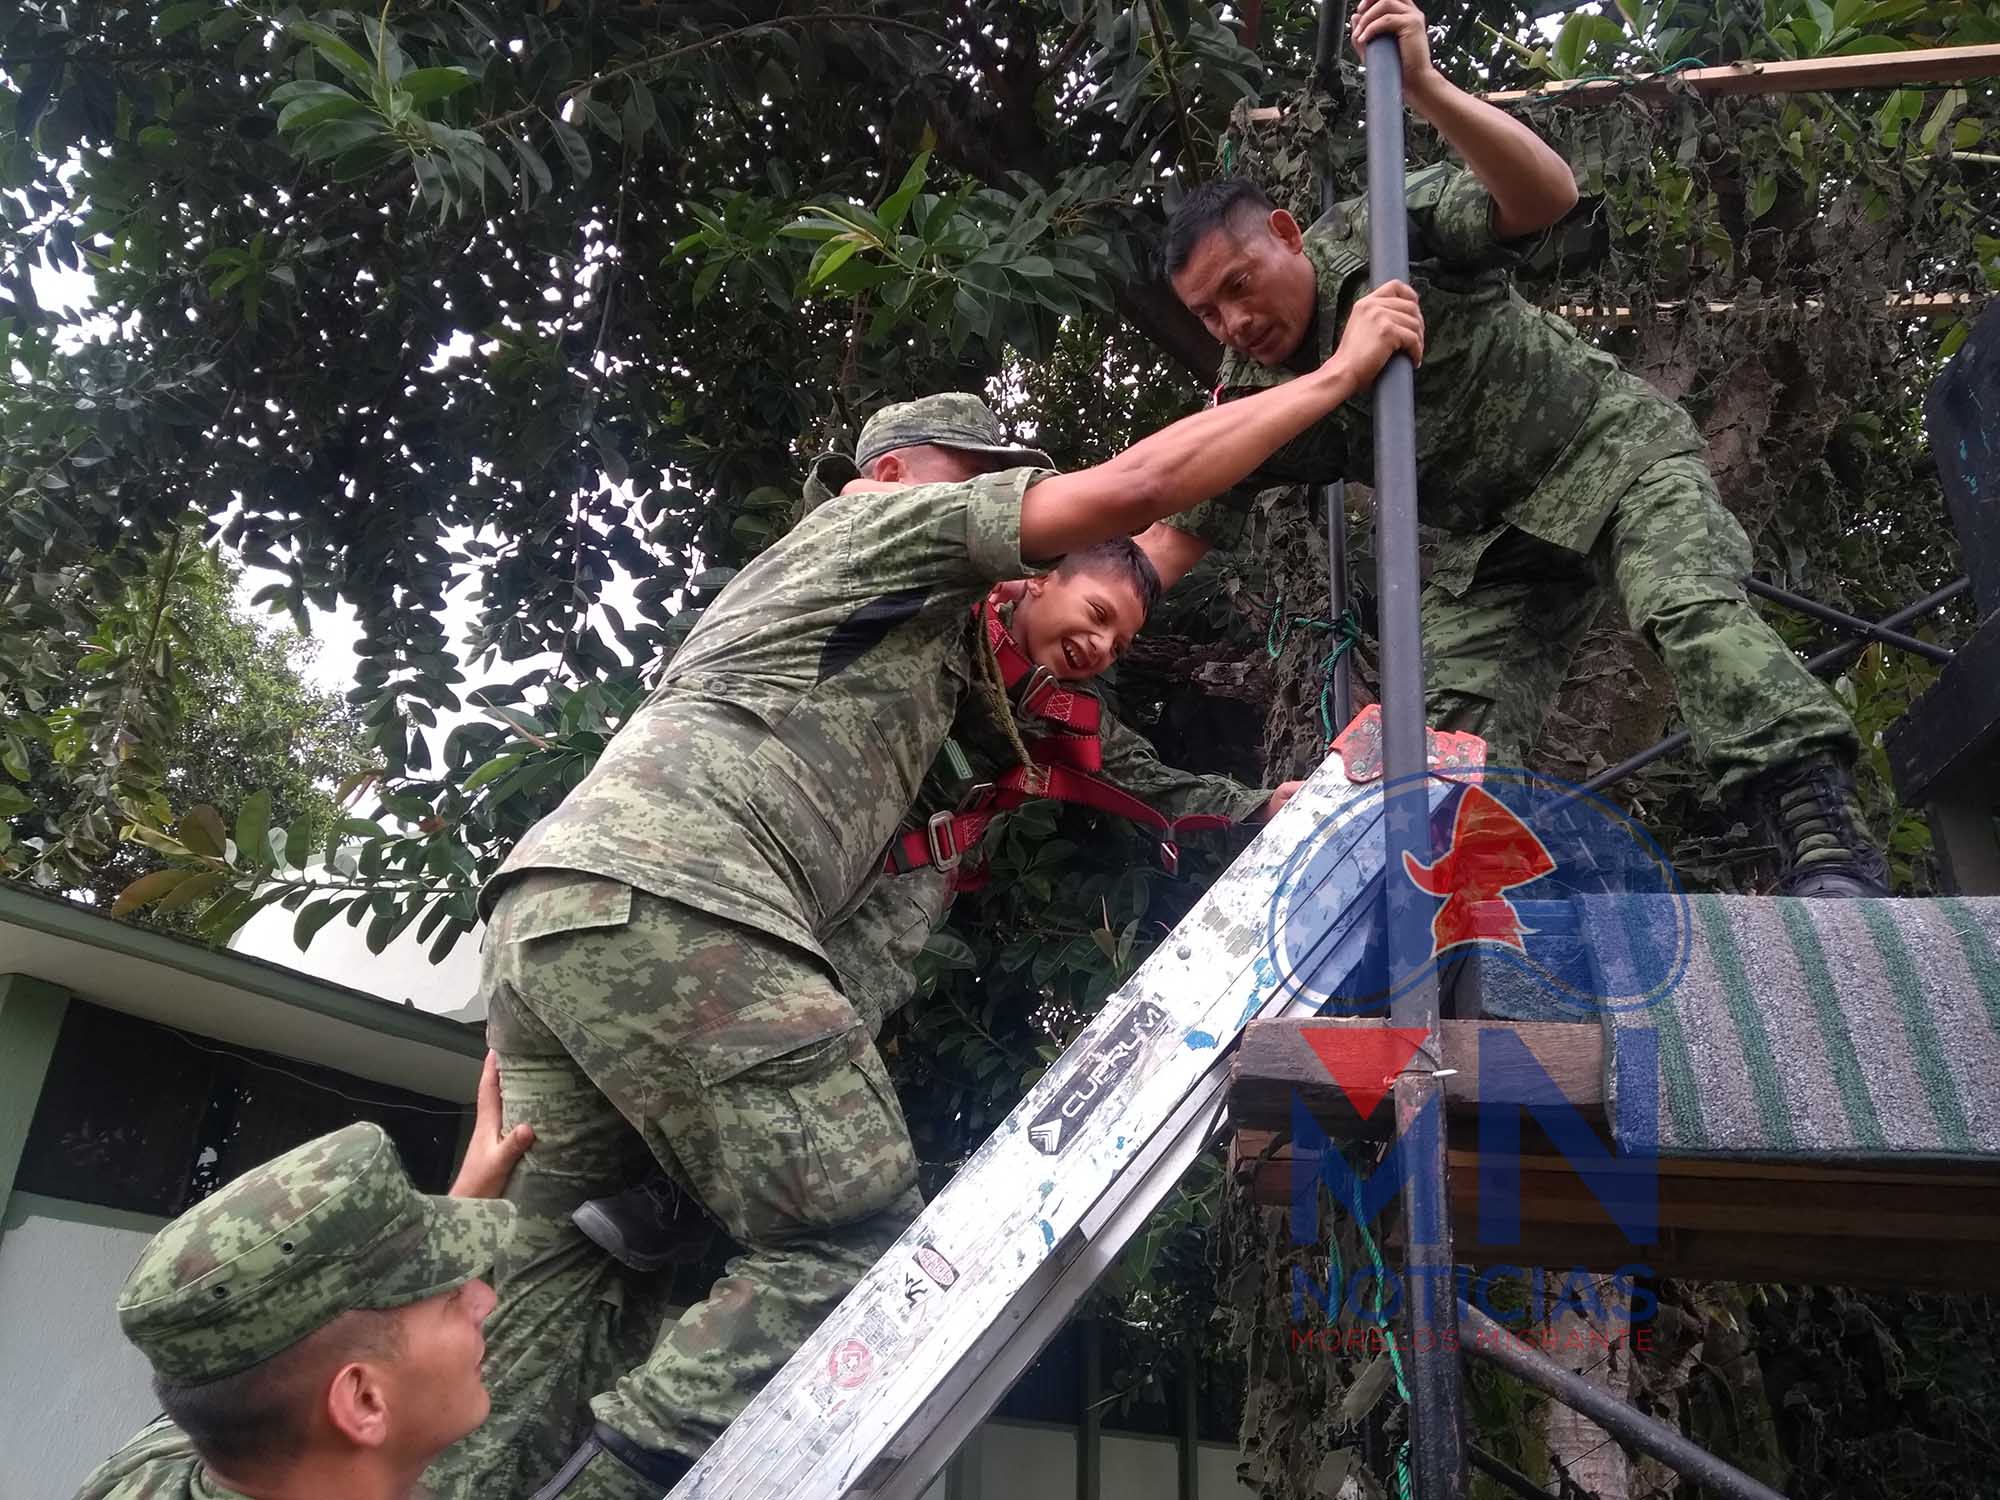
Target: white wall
x=1037 y=1461
x=401 y=972
x=75 y=1390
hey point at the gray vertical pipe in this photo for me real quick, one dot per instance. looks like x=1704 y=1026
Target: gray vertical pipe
x=1334 y=496
x=1090 y=1419
x=1437 y=1443
x=1190 y=1423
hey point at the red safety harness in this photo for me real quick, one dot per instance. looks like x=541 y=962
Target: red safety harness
x=1063 y=762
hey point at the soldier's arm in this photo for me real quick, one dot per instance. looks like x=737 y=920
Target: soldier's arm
x=1202 y=455
x=1133 y=765
x=1532 y=186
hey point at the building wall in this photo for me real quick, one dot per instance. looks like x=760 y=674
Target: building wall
x=76 y=1389
x=1037 y=1461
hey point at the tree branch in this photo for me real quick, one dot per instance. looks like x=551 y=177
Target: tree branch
x=779 y=23
x=1163 y=41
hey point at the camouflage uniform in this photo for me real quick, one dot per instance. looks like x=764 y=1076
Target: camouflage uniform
x=1553 y=473
x=270 y=1258
x=689 y=969
x=656 y=984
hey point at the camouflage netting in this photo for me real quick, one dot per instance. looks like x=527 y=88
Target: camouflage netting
x=1754 y=258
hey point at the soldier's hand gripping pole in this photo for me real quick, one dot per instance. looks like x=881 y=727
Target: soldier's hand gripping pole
x=1437 y=1449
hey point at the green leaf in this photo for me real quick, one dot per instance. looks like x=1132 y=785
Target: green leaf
x=14 y=757
x=303 y=114
x=193 y=889
x=177 y=18
x=570 y=142
x=146 y=890
x=253 y=821
x=315 y=915
x=358 y=69
x=201 y=831
x=831 y=257
x=493 y=769
x=455 y=929
x=898 y=204
x=1952 y=341
x=1763 y=193
x=428 y=85
x=13 y=801
x=951 y=951
x=532 y=163
x=1949 y=105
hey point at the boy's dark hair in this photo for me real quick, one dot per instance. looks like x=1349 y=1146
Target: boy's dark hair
x=1211 y=206
x=256 y=1419
x=1120 y=557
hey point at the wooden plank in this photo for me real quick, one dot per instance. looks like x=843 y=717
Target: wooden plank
x=1274 y=1063
x=1912 y=307
x=1954 y=726
x=1876 y=70
x=1931 y=1227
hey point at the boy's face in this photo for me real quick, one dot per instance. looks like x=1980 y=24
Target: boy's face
x=1077 y=623
x=1250 y=284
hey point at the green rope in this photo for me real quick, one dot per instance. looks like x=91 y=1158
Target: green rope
x=1345 y=632
x=1337 y=1270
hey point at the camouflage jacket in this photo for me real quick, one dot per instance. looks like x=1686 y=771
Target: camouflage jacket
x=1520 y=422
x=763 y=779
x=875 y=950
x=158 y=1464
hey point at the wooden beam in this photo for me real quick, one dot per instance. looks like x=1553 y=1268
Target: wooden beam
x=1275 y=1064
x=1875 y=70
x=1879 y=1225
x=1912 y=307
x=1924 y=67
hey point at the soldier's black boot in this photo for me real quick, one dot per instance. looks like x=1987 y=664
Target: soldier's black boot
x=648 y=1227
x=1809 y=809
x=610 y=1466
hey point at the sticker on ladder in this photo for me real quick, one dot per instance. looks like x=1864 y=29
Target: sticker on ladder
x=1063 y=1118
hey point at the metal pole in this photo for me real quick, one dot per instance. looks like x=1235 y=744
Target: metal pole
x=1437 y=1439
x=1833 y=656
x=1334 y=496
x=1485 y=1339
x=1509 y=1477
x=1842 y=620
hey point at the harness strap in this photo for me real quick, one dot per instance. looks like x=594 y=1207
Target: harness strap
x=943 y=841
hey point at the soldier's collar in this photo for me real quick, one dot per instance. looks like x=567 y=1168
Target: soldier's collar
x=829 y=473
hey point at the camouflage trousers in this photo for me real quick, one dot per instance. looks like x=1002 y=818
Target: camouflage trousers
x=1675 y=558
x=633 y=1030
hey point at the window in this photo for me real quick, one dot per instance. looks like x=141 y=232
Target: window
x=151 y=1119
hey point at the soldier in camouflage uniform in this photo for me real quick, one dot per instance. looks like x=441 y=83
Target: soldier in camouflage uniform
x=874 y=952
x=313 y=1328
x=654 y=972
x=1553 y=472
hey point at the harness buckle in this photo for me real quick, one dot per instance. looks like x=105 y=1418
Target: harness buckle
x=1170 y=857
x=1041 y=684
x=976 y=796
x=942 y=836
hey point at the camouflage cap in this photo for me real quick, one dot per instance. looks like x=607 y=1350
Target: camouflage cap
x=289 y=1246
x=951 y=420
